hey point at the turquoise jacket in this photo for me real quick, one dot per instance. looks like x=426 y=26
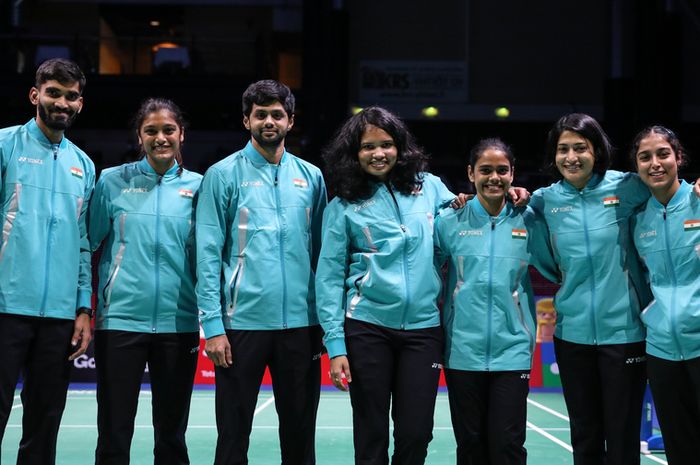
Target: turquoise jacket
x=668 y=240
x=45 y=189
x=376 y=262
x=602 y=284
x=258 y=236
x=146 y=268
x=488 y=313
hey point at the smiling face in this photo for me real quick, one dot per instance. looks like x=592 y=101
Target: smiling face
x=378 y=152
x=161 y=136
x=492 y=175
x=657 y=165
x=575 y=158
x=57 y=105
x=268 y=124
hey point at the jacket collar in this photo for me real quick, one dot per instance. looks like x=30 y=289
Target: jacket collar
x=36 y=133
x=148 y=170
x=256 y=157
x=678 y=199
x=592 y=183
x=479 y=209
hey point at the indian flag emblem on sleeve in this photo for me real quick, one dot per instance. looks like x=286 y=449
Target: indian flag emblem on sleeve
x=77 y=172
x=519 y=233
x=691 y=225
x=186 y=193
x=300 y=183
x=611 y=201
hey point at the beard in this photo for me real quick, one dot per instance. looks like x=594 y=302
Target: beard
x=268 y=142
x=56 y=124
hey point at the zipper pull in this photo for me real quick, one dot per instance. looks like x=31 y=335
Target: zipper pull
x=160 y=178
x=493 y=223
x=55 y=151
x=664 y=213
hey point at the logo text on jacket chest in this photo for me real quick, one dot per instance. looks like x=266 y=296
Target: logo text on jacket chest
x=471 y=232
x=31 y=161
x=566 y=209
x=257 y=183
x=363 y=205
x=646 y=234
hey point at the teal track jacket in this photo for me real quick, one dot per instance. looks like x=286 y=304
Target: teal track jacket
x=488 y=313
x=44 y=251
x=602 y=285
x=258 y=235
x=146 y=269
x=376 y=262
x=668 y=240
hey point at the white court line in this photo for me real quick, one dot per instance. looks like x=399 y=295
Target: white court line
x=275 y=427
x=550 y=437
x=264 y=405
x=547 y=409
x=655 y=459
x=564 y=417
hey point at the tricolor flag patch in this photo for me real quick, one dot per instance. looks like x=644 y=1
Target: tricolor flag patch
x=77 y=172
x=186 y=193
x=519 y=233
x=300 y=183
x=691 y=225
x=611 y=202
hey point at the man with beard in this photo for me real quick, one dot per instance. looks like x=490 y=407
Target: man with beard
x=45 y=284
x=258 y=227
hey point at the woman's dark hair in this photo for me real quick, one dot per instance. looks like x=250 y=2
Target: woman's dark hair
x=491 y=143
x=668 y=135
x=587 y=127
x=345 y=176
x=154 y=105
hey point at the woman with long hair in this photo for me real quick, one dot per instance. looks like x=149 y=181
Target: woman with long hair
x=667 y=236
x=376 y=285
x=142 y=215
x=599 y=337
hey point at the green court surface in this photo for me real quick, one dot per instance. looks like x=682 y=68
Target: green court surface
x=547 y=434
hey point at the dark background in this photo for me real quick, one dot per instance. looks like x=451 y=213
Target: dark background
x=628 y=63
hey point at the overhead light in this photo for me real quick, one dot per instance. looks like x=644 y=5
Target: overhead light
x=154 y=23
x=430 y=112
x=502 y=112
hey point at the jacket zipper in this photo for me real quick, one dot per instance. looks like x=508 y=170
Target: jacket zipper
x=281 y=239
x=594 y=323
x=157 y=244
x=672 y=272
x=402 y=226
x=52 y=221
x=489 y=309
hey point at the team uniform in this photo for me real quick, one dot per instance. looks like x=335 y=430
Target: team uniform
x=44 y=277
x=599 y=336
x=668 y=240
x=147 y=311
x=377 y=290
x=489 y=324
x=258 y=236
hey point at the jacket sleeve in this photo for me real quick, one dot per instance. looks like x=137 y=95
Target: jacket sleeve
x=99 y=218
x=635 y=189
x=330 y=279
x=211 y=222
x=440 y=248
x=84 y=295
x=538 y=244
x=319 y=207
x=443 y=196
